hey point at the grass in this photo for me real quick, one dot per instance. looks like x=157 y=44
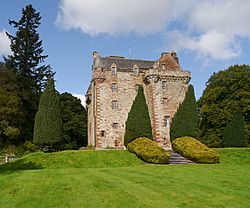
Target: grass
x=118 y=179
x=74 y=159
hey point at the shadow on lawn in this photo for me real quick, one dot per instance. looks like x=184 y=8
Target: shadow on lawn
x=18 y=165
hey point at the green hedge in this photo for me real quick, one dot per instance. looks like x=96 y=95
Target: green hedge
x=149 y=151
x=194 y=150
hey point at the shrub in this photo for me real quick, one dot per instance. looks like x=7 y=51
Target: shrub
x=194 y=150
x=149 y=151
x=138 y=123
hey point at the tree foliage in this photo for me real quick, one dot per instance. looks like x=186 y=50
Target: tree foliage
x=27 y=50
x=27 y=62
x=138 y=123
x=226 y=93
x=74 y=118
x=11 y=115
x=234 y=133
x=48 y=122
x=185 y=121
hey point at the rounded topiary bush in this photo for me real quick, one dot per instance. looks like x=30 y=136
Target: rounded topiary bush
x=194 y=150
x=149 y=151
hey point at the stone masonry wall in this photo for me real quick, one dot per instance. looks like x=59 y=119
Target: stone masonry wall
x=162 y=102
x=126 y=92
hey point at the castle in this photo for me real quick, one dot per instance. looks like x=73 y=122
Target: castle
x=114 y=85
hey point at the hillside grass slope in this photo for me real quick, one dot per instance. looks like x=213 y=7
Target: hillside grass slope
x=93 y=180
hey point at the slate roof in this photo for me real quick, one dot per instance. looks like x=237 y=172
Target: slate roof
x=122 y=63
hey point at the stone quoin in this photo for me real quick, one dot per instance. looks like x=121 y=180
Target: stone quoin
x=113 y=88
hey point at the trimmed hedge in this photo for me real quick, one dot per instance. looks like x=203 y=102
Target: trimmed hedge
x=194 y=150
x=149 y=151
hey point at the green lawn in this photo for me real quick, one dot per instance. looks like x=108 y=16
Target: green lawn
x=118 y=179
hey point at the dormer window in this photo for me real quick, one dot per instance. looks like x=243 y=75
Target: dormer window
x=113 y=69
x=163 y=66
x=135 y=70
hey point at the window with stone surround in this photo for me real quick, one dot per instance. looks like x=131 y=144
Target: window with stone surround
x=114 y=87
x=163 y=66
x=102 y=133
x=163 y=85
x=137 y=87
x=164 y=101
x=135 y=70
x=114 y=104
x=115 y=125
x=113 y=69
x=167 y=121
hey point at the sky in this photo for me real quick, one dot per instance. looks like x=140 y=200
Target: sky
x=208 y=35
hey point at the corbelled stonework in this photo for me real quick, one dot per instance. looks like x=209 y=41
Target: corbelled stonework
x=113 y=89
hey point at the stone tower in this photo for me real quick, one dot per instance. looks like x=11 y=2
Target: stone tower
x=114 y=85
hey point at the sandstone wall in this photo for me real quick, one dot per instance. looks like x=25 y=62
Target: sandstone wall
x=162 y=102
x=112 y=137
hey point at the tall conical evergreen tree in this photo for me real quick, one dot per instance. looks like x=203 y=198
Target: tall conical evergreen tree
x=27 y=61
x=48 y=122
x=234 y=133
x=138 y=123
x=27 y=50
x=185 y=121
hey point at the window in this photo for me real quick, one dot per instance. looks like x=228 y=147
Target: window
x=167 y=121
x=136 y=70
x=114 y=104
x=115 y=125
x=113 y=69
x=114 y=87
x=165 y=101
x=164 y=85
x=163 y=66
x=137 y=87
x=102 y=133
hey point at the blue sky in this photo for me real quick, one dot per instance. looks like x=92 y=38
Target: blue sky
x=208 y=35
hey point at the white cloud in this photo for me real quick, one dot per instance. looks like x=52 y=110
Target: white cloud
x=4 y=44
x=212 y=44
x=114 y=17
x=208 y=27
x=81 y=97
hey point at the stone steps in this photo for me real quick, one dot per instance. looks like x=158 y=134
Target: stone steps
x=176 y=158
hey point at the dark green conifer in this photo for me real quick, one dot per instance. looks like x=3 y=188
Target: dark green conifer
x=48 y=122
x=27 y=52
x=138 y=123
x=185 y=121
x=27 y=60
x=234 y=133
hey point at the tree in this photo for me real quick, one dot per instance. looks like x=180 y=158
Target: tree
x=138 y=123
x=185 y=121
x=226 y=93
x=48 y=122
x=26 y=60
x=74 y=118
x=11 y=115
x=234 y=133
x=27 y=50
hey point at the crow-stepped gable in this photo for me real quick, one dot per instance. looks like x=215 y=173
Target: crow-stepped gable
x=113 y=88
